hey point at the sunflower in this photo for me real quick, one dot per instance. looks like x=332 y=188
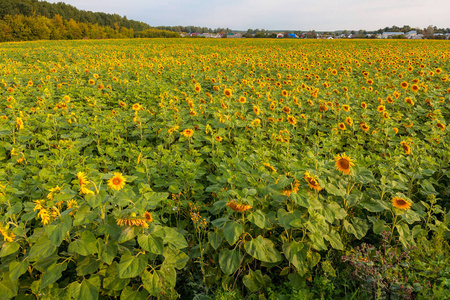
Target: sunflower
x=349 y=121
x=242 y=99
x=381 y=108
x=364 y=105
x=346 y=107
x=117 y=182
x=256 y=110
x=218 y=138
x=386 y=115
x=323 y=108
x=197 y=88
x=292 y=120
x=401 y=203
x=404 y=85
x=286 y=110
x=409 y=100
x=148 y=217
x=188 y=133
x=441 y=126
x=238 y=207
x=270 y=167
x=415 y=88
x=406 y=147
x=312 y=182
x=19 y=123
x=342 y=126
x=122 y=104
x=343 y=163
x=136 y=107
x=228 y=93
x=82 y=179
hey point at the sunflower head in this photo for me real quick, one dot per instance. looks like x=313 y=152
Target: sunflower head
x=312 y=182
x=117 y=182
x=238 y=207
x=401 y=203
x=343 y=163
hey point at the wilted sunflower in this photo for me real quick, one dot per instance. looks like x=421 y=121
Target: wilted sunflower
x=117 y=182
x=406 y=147
x=343 y=163
x=401 y=203
x=270 y=167
x=238 y=207
x=312 y=182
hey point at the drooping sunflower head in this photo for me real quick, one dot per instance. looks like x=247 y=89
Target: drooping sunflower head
x=406 y=147
x=82 y=179
x=238 y=207
x=401 y=203
x=343 y=163
x=117 y=182
x=312 y=182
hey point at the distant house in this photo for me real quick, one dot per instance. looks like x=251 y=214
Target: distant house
x=280 y=35
x=411 y=34
x=234 y=35
x=387 y=35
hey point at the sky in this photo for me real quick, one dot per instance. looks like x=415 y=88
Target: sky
x=319 y=15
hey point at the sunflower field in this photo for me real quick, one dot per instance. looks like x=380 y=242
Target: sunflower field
x=224 y=169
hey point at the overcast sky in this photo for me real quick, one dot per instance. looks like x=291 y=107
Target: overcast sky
x=321 y=15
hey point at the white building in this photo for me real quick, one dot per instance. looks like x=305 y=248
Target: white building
x=387 y=35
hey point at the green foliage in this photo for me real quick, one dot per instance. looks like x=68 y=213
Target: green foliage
x=173 y=168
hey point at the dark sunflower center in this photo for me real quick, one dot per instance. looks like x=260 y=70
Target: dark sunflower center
x=401 y=202
x=344 y=164
x=116 y=181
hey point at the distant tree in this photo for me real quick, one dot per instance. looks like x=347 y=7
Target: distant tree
x=429 y=31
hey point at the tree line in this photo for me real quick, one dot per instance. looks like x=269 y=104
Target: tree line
x=30 y=8
x=28 y=28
